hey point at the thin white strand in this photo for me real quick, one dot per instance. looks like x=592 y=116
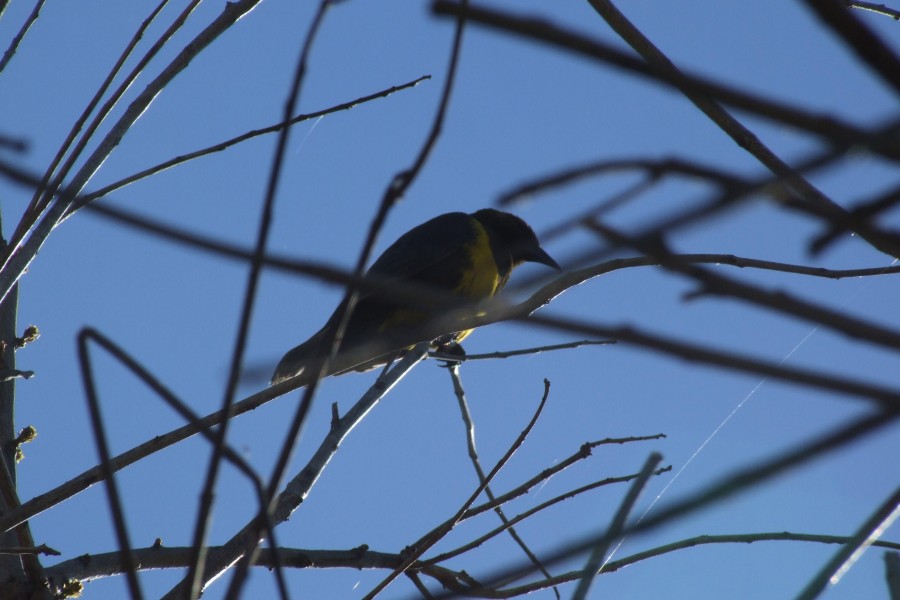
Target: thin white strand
x=719 y=427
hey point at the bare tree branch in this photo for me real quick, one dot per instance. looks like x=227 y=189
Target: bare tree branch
x=221 y=558
x=892 y=572
x=870 y=531
x=830 y=128
x=726 y=487
x=96 y=566
x=112 y=490
x=873 y=7
x=859 y=38
x=194 y=581
x=420 y=546
x=21 y=254
x=469 y=424
x=17 y=39
x=45 y=192
x=105 y=191
x=616 y=527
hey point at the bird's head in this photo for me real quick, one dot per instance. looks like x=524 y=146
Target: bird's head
x=516 y=236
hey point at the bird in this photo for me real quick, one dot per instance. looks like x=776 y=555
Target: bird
x=463 y=257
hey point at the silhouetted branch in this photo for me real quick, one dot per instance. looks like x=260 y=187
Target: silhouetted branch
x=112 y=491
x=892 y=573
x=173 y=401
x=45 y=192
x=870 y=531
x=653 y=170
x=522 y=352
x=420 y=546
x=568 y=495
x=777 y=301
x=17 y=39
x=13 y=144
x=875 y=8
x=194 y=581
x=616 y=527
x=248 y=538
x=91 y=567
x=106 y=190
x=22 y=253
x=828 y=127
x=864 y=42
x=463 y=403
x=791 y=177
x=727 y=486
x=864 y=211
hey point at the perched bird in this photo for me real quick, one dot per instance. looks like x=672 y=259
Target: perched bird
x=469 y=257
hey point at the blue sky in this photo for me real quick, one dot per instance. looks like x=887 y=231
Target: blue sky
x=519 y=111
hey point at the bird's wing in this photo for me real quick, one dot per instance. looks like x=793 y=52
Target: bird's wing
x=419 y=249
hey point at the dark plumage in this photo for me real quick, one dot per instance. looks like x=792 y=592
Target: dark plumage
x=468 y=256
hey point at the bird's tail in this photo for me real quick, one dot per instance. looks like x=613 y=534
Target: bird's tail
x=356 y=357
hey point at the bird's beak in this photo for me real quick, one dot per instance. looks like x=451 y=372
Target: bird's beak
x=538 y=255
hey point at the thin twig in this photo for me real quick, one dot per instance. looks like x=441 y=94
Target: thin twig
x=608 y=205
x=892 y=573
x=888 y=398
x=616 y=527
x=23 y=253
x=582 y=453
x=521 y=352
x=778 y=301
x=182 y=408
x=194 y=582
x=654 y=170
x=172 y=162
x=861 y=39
x=222 y=558
x=45 y=192
x=96 y=566
x=469 y=424
x=112 y=492
x=726 y=487
x=42 y=549
x=867 y=209
x=828 y=127
x=17 y=39
x=875 y=8
x=702 y=93
x=567 y=495
x=612 y=566
x=419 y=547
x=870 y=531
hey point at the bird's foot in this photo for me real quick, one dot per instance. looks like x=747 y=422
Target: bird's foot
x=448 y=352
